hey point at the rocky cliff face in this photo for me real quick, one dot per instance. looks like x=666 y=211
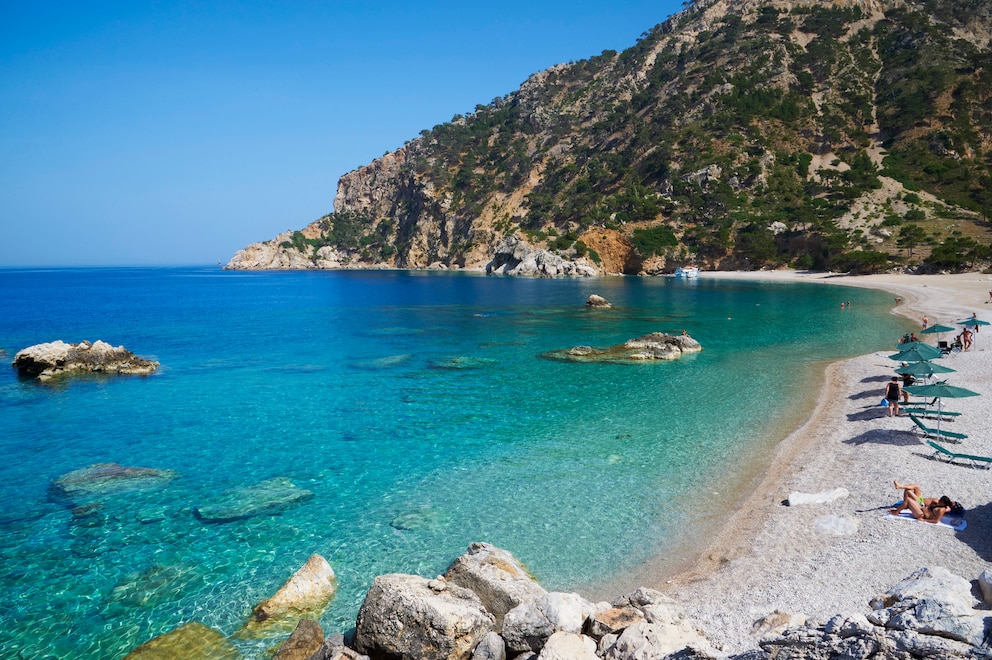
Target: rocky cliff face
x=739 y=133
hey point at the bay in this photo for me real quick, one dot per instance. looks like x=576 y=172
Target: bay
x=416 y=407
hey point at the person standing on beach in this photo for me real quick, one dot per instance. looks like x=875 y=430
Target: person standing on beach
x=966 y=338
x=926 y=322
x=892 y=391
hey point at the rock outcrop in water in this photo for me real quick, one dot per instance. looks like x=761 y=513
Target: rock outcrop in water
x=105 y=479
x=57 y=358
x=649 y=348
x=306 y=593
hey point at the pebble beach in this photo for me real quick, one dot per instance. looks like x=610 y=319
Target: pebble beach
x=820 y=559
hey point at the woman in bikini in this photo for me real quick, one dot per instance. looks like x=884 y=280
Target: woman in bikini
x=928 y=509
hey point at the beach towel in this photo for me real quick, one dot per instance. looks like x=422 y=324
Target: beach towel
x=955 y=523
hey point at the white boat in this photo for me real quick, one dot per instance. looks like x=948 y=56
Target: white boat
x=687 y=271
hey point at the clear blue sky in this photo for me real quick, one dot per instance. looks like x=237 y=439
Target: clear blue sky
x=176 y=133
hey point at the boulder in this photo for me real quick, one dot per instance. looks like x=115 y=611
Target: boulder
x=514 y=257
x=411 y=617
x=306 y=593
x=262 y=499
x=598 y=301
x=101 y=480
x=528 y=626
x=57 y=358
x=666 y=629
x=333 y=648
x=499 y=580
x=985 y=584
x=305 y=641
x=568 y=646
x=612 y=621
x=190 y=641
x=492 y=647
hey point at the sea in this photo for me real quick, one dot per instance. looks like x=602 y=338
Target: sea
x=419 y=411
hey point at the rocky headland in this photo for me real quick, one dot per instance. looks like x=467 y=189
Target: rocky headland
x=55 y=359
x=487 y=606
x=649 y=348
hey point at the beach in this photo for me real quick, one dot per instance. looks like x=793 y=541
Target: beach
x=821 y=559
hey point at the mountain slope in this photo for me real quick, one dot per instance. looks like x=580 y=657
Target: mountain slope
x=738 y=134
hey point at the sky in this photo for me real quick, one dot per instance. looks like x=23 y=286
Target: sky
x=164 y=133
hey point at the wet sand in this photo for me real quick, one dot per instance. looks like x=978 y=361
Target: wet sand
x=821 y=559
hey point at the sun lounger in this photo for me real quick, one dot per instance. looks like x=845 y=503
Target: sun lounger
x=934 y=433
x=948 y=456
x=929 y=412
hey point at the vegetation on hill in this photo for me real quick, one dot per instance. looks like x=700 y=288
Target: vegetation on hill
x=735 y=135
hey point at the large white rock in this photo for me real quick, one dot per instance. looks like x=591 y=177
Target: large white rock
x=529 y=625
x=306 y=592
x=568 y=646
x=53 y=359
x=411 y=617
x=497 y=578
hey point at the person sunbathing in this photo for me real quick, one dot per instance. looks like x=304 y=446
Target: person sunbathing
x=927 y=509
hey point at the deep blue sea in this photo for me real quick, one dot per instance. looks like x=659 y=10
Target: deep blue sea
x=417 y=408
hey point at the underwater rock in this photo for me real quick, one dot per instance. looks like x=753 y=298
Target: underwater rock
x=265 y=498
x=190 y=641
x=153 y=585
x=424 y=517
x=57 y=358
x=649 y=348
x=462 y=362
x=306 y=640
x=104 y=479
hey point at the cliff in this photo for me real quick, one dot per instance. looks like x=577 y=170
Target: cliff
x=849 y=135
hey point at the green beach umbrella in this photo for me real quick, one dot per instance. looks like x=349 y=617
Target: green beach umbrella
x=924 y=369
x=920 y=354
x=941 y=391
x=936 y=329
x=974 y=322
x=910 y=345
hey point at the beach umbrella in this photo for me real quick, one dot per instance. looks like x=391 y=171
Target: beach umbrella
x=924 y=369
x=910 y=345
x=937 y=330
x=973 y=323
x=919 y=354
x=940 y=391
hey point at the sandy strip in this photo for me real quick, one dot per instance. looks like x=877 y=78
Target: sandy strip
x=773 y=557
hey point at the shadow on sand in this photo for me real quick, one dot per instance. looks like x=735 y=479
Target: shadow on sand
x=884 y=437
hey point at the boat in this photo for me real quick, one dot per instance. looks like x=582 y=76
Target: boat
x=687 y=271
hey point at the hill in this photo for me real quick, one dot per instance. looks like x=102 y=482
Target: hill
x=738 y=134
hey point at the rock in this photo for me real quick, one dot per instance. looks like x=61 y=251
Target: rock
x=492 y=647
x=411 y=617
x=514 y=257
x=985 y=584
x=612 y=621
x=100 y=480
x=836 y=525
x=654 y=640
x=305 y=641
x=937 y=584
x=306 y=593
x=190 y=641
x=598 y=301
x=333 y=648
x=499 y=580
x=568 y=646
x=153 y=585
x=817 y=498
x=262 y=499
x=776 y=623
x=55 y=359
x=529 y=625
x=650 y=347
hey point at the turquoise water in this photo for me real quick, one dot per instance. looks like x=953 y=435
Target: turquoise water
x=415 y=406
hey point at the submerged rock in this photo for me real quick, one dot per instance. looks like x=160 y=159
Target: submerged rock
x=424 y=517
x=87 y=484
x=262 y=499
x=649 y=348
x=57 y=358
x=463 y=362
x=190 y=641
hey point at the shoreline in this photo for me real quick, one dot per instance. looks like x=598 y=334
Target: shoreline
x=774 y=557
